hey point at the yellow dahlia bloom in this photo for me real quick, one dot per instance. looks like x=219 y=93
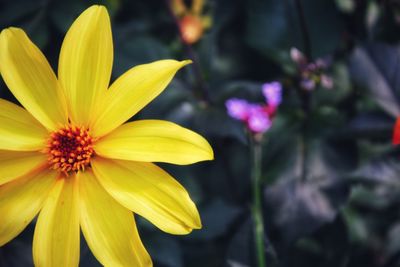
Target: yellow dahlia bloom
x=69 y=158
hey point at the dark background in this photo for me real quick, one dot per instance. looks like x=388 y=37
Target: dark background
x=331 y=175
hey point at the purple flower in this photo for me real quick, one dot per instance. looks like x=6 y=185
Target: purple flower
x=312 y=73
x=273 y=93
x=257 y=117
x=237 y=108
x=258 y=120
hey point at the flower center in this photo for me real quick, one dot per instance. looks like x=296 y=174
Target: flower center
x=70 y=149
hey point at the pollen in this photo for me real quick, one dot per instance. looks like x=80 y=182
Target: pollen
x=69 y=149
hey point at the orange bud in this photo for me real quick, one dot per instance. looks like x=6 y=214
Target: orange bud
x=191 y=29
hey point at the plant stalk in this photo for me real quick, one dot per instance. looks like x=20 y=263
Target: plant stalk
x=304 y=29
x=304 y=95
x=257 y=202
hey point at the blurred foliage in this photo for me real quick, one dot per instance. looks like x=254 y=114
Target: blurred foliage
x=331 y=175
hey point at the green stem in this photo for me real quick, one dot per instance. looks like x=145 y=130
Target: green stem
x=304 y=95
x=257 y=203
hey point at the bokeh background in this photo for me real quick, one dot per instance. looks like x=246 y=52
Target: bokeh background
x=331 y=176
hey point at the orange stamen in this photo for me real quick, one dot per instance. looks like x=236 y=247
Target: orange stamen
x=69 y=149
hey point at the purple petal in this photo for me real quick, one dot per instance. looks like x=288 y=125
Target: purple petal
x=258 y=120
x=307 y=84
x=273 y=93
x=237 y=108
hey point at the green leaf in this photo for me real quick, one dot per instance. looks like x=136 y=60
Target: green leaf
x=376 y=68
x=301 y=201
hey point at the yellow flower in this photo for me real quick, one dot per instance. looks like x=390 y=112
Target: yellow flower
x=70 y=157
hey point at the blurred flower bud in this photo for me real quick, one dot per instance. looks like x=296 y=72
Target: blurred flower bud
x=178 y=7
x=311 y=73
x=307 y=84
x=207 y=21
x=321 y=63
x=297 y=56
x=326 y=81
x=191 y=28
x=197 y=6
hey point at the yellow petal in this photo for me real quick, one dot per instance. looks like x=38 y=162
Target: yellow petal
x=154 y=141
x=150 y=192
x=56 y=238
x=85 y=63
x=132 y=91
x=14 y=164
x=21 y=200
x=19 y=130
x=30 y=78
x=109 y=228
